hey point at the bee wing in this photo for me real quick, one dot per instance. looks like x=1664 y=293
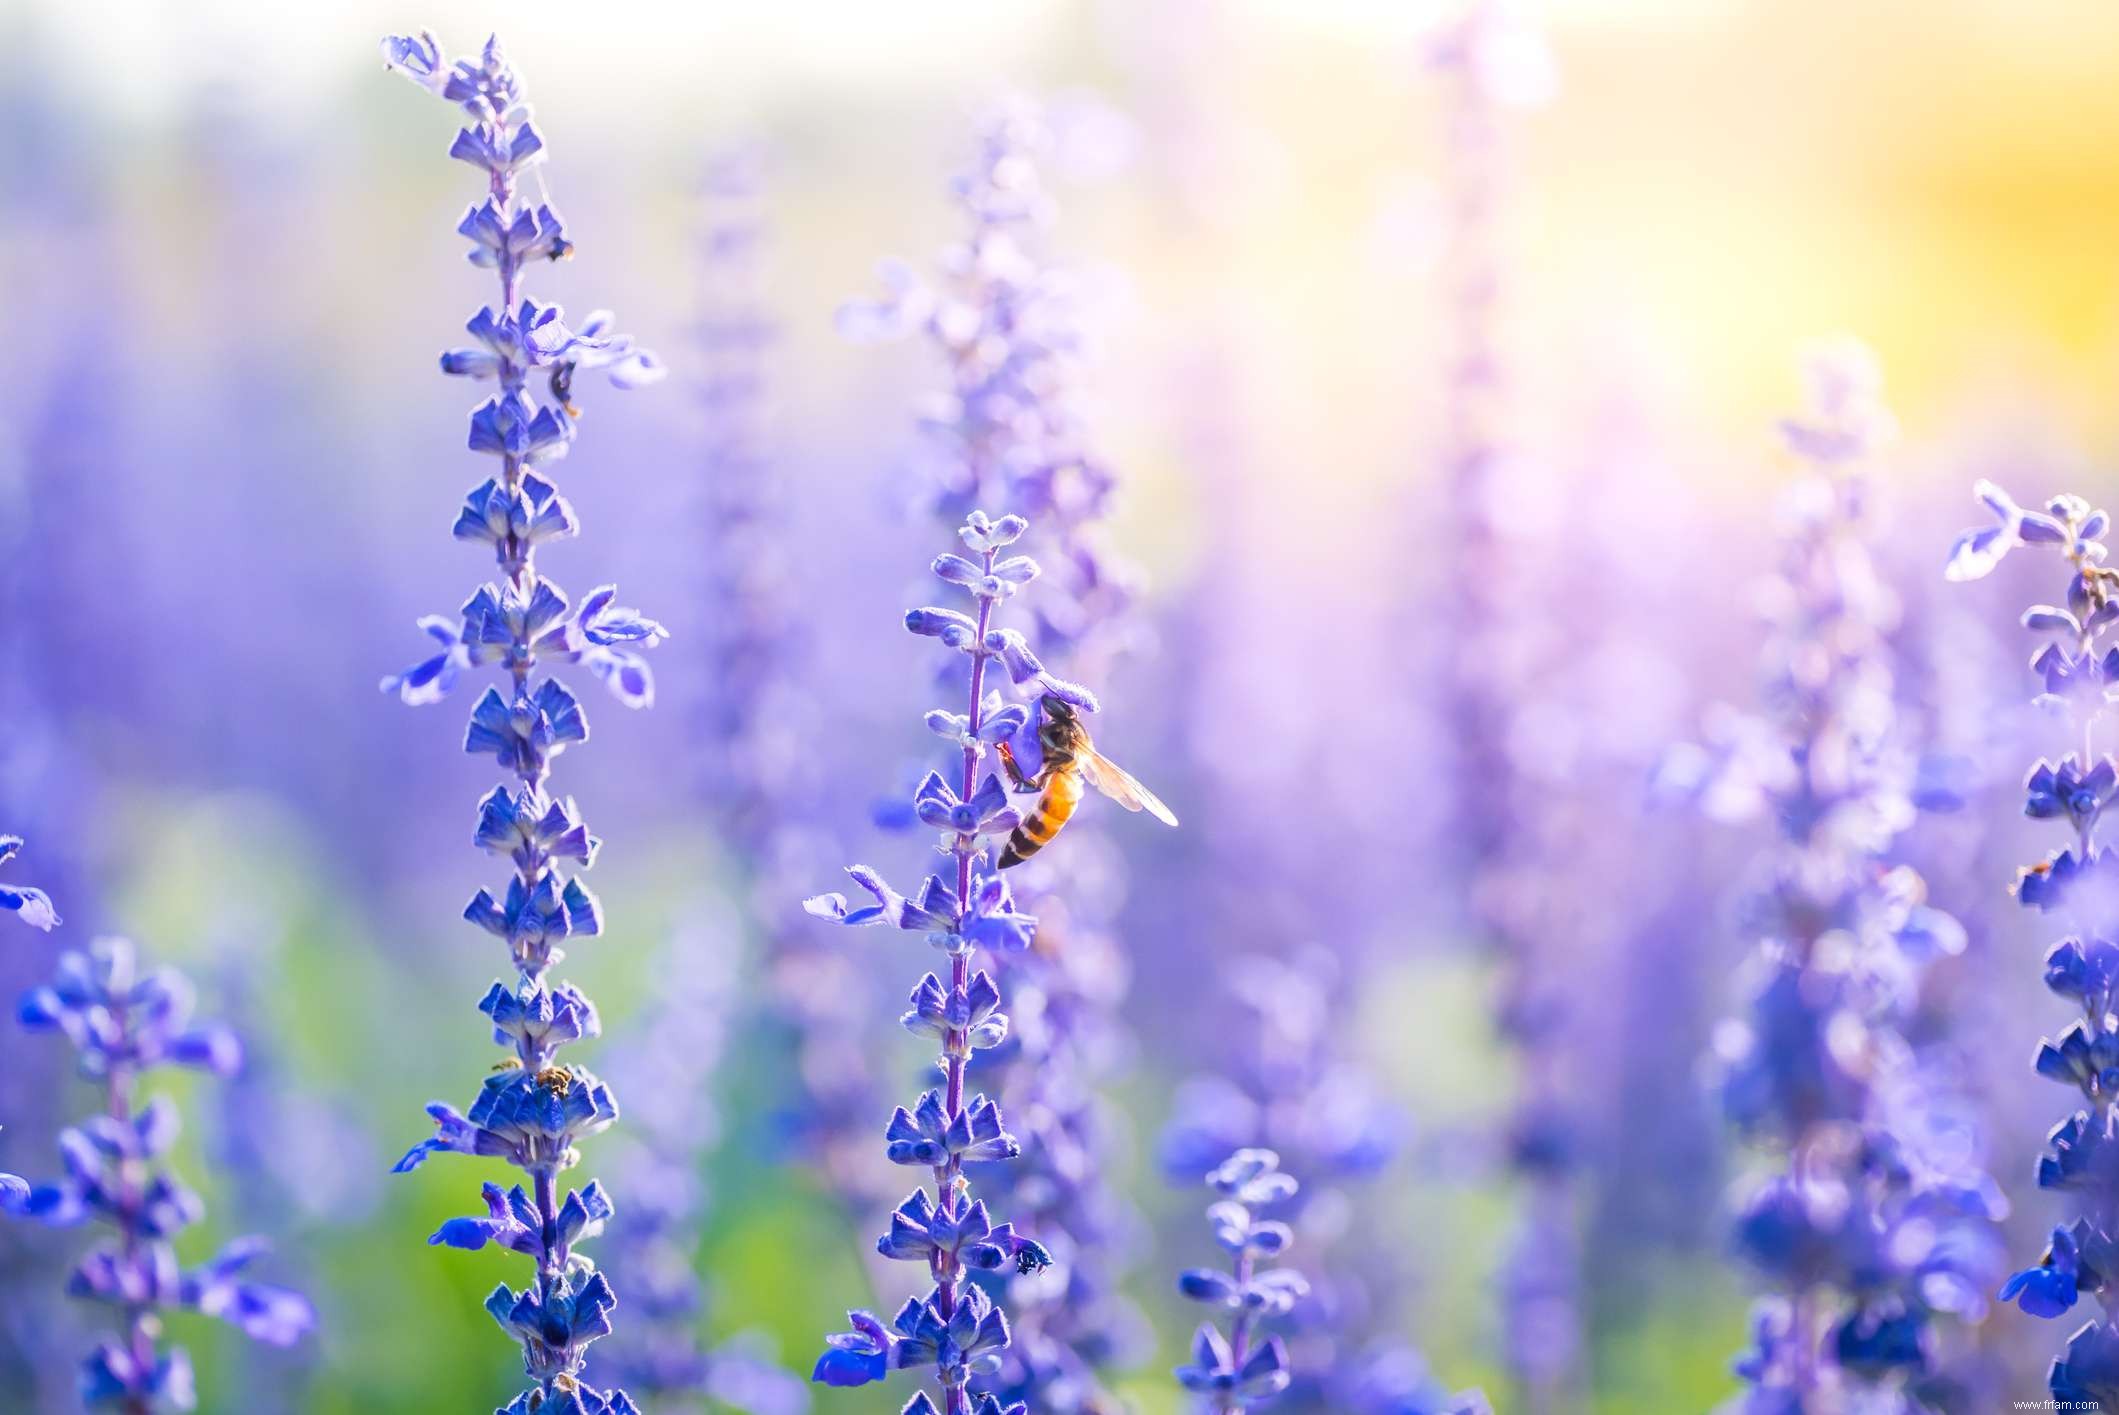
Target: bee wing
x=1116 y=782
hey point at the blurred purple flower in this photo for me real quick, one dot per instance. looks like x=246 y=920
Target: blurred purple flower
x=123 y=1023
x=669 y=1058
x=1871 y=1231
x=1490 y=57
x=1008 y=431
x=760 y=717
x=14 y=1192
x=1236 y=1370
x=1293 y=1089
x=270 y=1126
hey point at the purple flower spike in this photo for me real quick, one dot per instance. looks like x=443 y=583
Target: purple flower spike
x=956 y=1331
x=2077 y=885
x=1489 y=57
x=1235 y=1370
x=124 y=1022
x=1010 y=432
x=1864 y=1236
x=534 y=1109
x=1011 y=455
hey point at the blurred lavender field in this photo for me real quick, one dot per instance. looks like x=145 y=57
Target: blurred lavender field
x=1451 y=471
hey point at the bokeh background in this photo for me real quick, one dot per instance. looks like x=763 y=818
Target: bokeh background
x=227 y=469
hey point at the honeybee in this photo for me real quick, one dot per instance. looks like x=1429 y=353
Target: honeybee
x=556 y=1079
x=1071 y=762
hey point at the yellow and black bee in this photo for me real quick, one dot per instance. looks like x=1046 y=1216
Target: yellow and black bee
x=1071 y=764
x=556 y=1079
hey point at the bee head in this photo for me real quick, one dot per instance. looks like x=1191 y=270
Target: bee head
x=1059 y=708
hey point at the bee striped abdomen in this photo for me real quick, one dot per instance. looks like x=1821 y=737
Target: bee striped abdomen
x=1063 y=792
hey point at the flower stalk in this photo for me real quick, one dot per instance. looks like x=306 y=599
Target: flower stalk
x=1005 y=326
x=957 y=1331
x=533 y=1108
x=2077 y=665
x=1237 y=1370
x=125 y=1022
x=1869 y=1224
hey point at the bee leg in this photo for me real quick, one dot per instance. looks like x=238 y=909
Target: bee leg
x=1023 y=784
